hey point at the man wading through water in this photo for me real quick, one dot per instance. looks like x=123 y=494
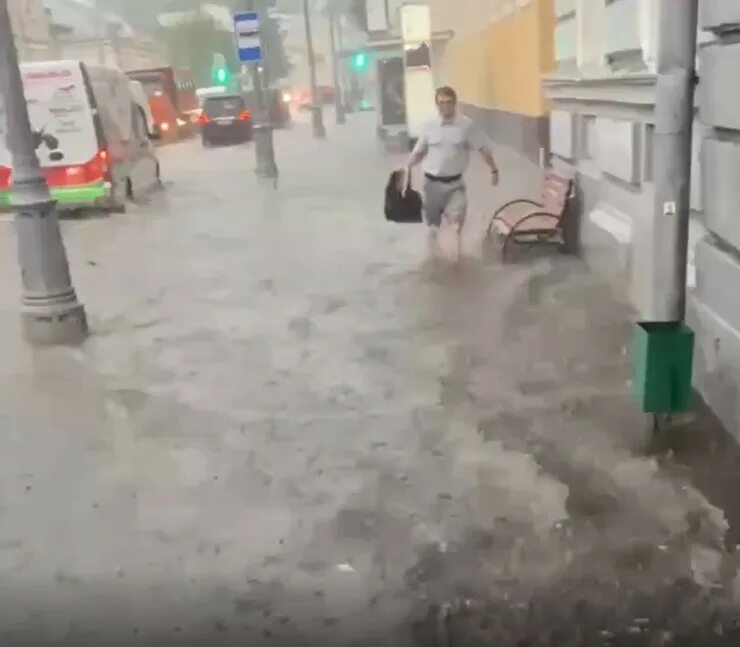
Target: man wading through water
x=443 y=150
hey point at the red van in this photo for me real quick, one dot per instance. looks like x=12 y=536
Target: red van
x=165 y=117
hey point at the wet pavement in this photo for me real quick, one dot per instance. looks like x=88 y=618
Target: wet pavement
x=291 y=427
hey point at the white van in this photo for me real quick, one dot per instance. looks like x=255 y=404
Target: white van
x=93 y=140
x=142 y=100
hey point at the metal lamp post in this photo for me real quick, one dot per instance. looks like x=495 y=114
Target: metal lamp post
x=317 y=114
x=338 y=99
x=51 y=312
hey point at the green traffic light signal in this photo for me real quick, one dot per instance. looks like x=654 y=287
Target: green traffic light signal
x=360 y=61
x=221 y=75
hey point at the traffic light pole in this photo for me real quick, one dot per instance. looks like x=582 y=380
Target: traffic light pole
x=51 y=313
x=338 y=99
x=317 y=114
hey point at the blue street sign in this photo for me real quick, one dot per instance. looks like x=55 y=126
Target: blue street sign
x=247 y=27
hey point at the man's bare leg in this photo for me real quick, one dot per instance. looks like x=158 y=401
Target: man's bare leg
x=458 y=243
x=433 y=240
x=457 y=211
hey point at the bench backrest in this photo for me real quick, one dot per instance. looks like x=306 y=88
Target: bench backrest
x=555 y=193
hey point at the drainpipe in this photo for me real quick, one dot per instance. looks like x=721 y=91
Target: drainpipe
x=674 y=118
x=664 y=346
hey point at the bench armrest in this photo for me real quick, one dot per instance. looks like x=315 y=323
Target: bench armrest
x=502 y=208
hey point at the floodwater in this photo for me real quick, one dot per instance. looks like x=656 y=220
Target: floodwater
x=291 y=427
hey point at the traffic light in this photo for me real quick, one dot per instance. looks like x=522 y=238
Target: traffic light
x=359 y=61
x=220 y=72
x=221 y=75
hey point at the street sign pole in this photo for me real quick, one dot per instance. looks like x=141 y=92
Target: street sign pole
x=317 y=114
x=250 y=50
x=51 y=313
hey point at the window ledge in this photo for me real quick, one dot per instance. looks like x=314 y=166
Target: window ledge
x=629 y=88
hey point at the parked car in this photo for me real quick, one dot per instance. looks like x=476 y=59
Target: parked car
x=225 y=119
x=93 y=139
x=278 y=107
x=303 y=99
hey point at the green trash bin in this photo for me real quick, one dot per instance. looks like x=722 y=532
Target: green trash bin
x=662 y=362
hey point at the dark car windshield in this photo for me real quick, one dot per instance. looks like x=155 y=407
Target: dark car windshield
x=224 y=106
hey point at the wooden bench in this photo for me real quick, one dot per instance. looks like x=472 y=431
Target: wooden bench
x=527 y=221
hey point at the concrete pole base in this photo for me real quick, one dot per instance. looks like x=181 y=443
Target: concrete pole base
x=54 y=328
x=317 y=121
x=265 y=152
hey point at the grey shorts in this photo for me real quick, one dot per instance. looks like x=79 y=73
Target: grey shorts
x=445 y=200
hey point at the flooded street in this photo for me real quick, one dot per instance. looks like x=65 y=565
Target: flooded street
x=290 y=427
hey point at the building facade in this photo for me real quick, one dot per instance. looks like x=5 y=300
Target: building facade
x=715 y=305
x=30 y=23
x=602 y=119
x=499 y=51
x=602 y=130
x=49 y=29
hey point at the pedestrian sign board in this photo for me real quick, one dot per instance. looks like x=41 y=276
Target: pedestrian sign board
x=247 y=27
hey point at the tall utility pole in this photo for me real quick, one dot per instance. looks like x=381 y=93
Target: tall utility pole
x=333 y=30
x=264 y=144
x=674 y=117
x=51 y=313
x=317 y=114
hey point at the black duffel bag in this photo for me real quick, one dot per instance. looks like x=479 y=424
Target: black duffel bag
x=400 y=207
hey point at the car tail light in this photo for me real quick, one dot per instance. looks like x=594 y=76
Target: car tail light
x=103 y=161
x=245 y=116
x=204 y=119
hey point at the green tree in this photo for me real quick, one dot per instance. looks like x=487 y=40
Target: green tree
x=142 y=14
x=193 y=43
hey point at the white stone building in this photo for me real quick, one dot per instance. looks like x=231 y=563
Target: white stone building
x=602 y=128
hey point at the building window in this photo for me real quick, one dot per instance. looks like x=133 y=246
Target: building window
x=607 y=36
x=623 y=46
x=565 y=35
x=649 y=156
x=589 y=139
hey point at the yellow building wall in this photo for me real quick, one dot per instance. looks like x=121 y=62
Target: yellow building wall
x=500 y=65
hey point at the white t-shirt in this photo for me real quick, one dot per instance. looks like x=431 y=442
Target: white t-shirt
x=446 y=145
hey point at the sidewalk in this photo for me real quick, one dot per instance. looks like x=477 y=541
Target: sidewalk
x=290 y=423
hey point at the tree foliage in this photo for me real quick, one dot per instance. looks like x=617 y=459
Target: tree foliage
x=194 y=42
